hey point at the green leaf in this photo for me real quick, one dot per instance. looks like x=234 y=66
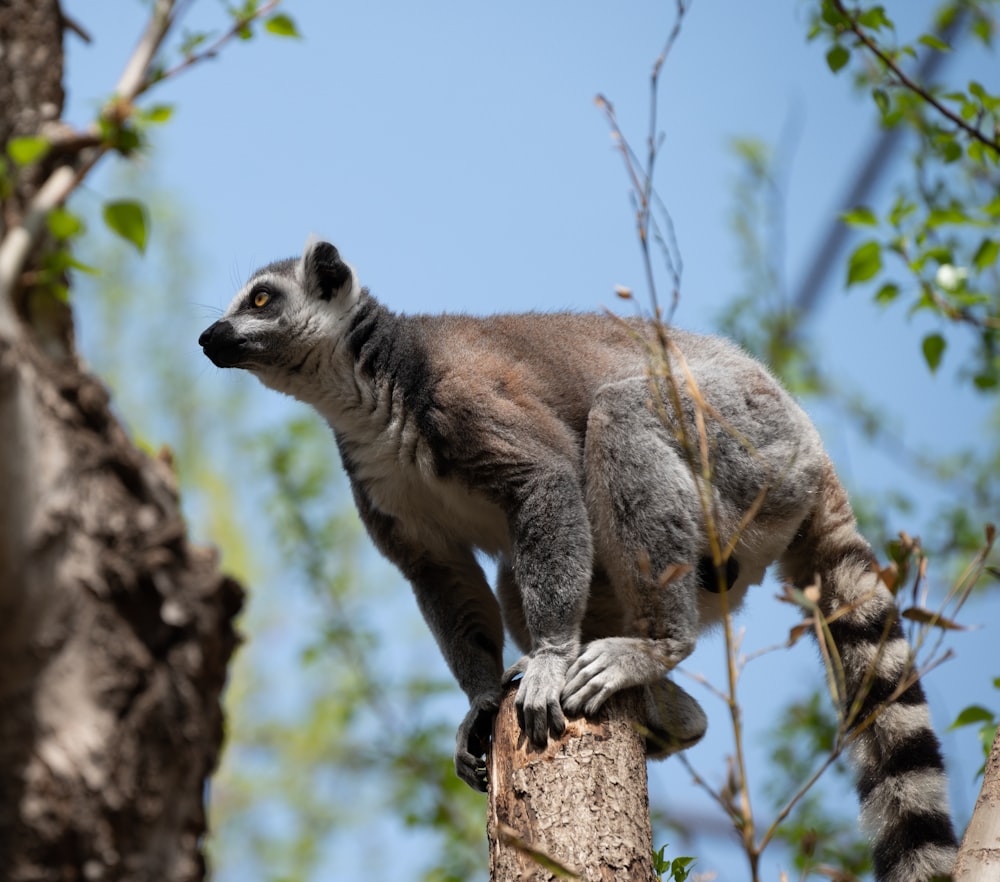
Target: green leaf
x=833 y=16
x=660 y=864
x=986 y=254
x=951 y=150
x=933 y=347
x=887 y=293
x=158 y=113
x=128 y=219
x=28 y=149
x=73 y=263
x=901 y=210
x=680 y=868
x=974 y=713
x=63 y=224
x=951 y=215
x=882 y=100
x=191 y=42
x=837 y=57
x=874 y=18
x=934 y=43
x=864 y=263
x=860 y=216
x=281 y=25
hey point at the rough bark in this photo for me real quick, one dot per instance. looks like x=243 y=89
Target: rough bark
x=115 y=633
x=31 y=92
x=979 y=856
x=580 y=807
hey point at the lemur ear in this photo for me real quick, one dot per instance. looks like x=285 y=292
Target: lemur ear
x=326 y=276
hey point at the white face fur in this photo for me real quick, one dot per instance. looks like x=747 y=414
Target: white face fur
x=285 y=317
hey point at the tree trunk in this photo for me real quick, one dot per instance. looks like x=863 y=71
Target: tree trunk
x=115 y=634
x=979 y=857
x=580 y=808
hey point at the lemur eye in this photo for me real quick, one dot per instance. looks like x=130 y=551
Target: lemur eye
x=261 y=298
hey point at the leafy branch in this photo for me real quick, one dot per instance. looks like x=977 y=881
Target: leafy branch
x=76 y=153
x=853 y=21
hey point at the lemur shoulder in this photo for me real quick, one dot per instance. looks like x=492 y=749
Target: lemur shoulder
x=548 y=442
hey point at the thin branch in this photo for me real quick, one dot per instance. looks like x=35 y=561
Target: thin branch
x=912 y=85
x=133 y=78
x=798 y=795
x=707 y=788
x=211 y=51
x=19 y=241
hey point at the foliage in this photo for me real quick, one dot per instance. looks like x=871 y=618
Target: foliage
x=936 y=246
x=987 y=722
x=121 y=127
x=765 y=320
x=676 y=870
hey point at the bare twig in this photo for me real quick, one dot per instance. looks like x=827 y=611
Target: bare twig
x=641 y=176
x=713 y=794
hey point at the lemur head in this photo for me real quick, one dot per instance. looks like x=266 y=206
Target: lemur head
x=283 y=313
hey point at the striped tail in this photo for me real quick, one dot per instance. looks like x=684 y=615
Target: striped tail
x=900 y=773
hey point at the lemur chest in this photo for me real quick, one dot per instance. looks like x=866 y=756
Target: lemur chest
x=396 y=469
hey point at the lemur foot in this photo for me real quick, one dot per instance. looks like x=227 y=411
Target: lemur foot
x=674 y=720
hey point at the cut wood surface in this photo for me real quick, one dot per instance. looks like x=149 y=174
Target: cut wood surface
x=579 y=808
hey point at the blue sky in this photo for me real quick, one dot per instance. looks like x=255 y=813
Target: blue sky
x=454 y=152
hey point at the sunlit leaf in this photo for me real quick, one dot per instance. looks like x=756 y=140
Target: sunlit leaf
x=882 y=100
x=874 y=18
x=887 y=293
x=933 y=348
x=864 y=263
x=158 y=113
x=837 y=57
x=975 y=713
x=986 y=254
x=27 y=150
x=63 y=224
x=934 y=43
x=127 y=218
x=860 y=216
x=281 y=25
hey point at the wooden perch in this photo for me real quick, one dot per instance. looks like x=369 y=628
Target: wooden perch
x=578 y=809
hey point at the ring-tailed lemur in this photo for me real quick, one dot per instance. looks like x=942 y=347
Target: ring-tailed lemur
x=543 y=440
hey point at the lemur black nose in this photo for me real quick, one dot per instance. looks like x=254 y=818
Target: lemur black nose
x=207 y=334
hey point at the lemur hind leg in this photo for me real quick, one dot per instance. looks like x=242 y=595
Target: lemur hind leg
x=673 y=720
x=646 y=518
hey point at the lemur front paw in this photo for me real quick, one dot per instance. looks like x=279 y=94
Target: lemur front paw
x=539 y=711
x=607 y=666
x=472 y=739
